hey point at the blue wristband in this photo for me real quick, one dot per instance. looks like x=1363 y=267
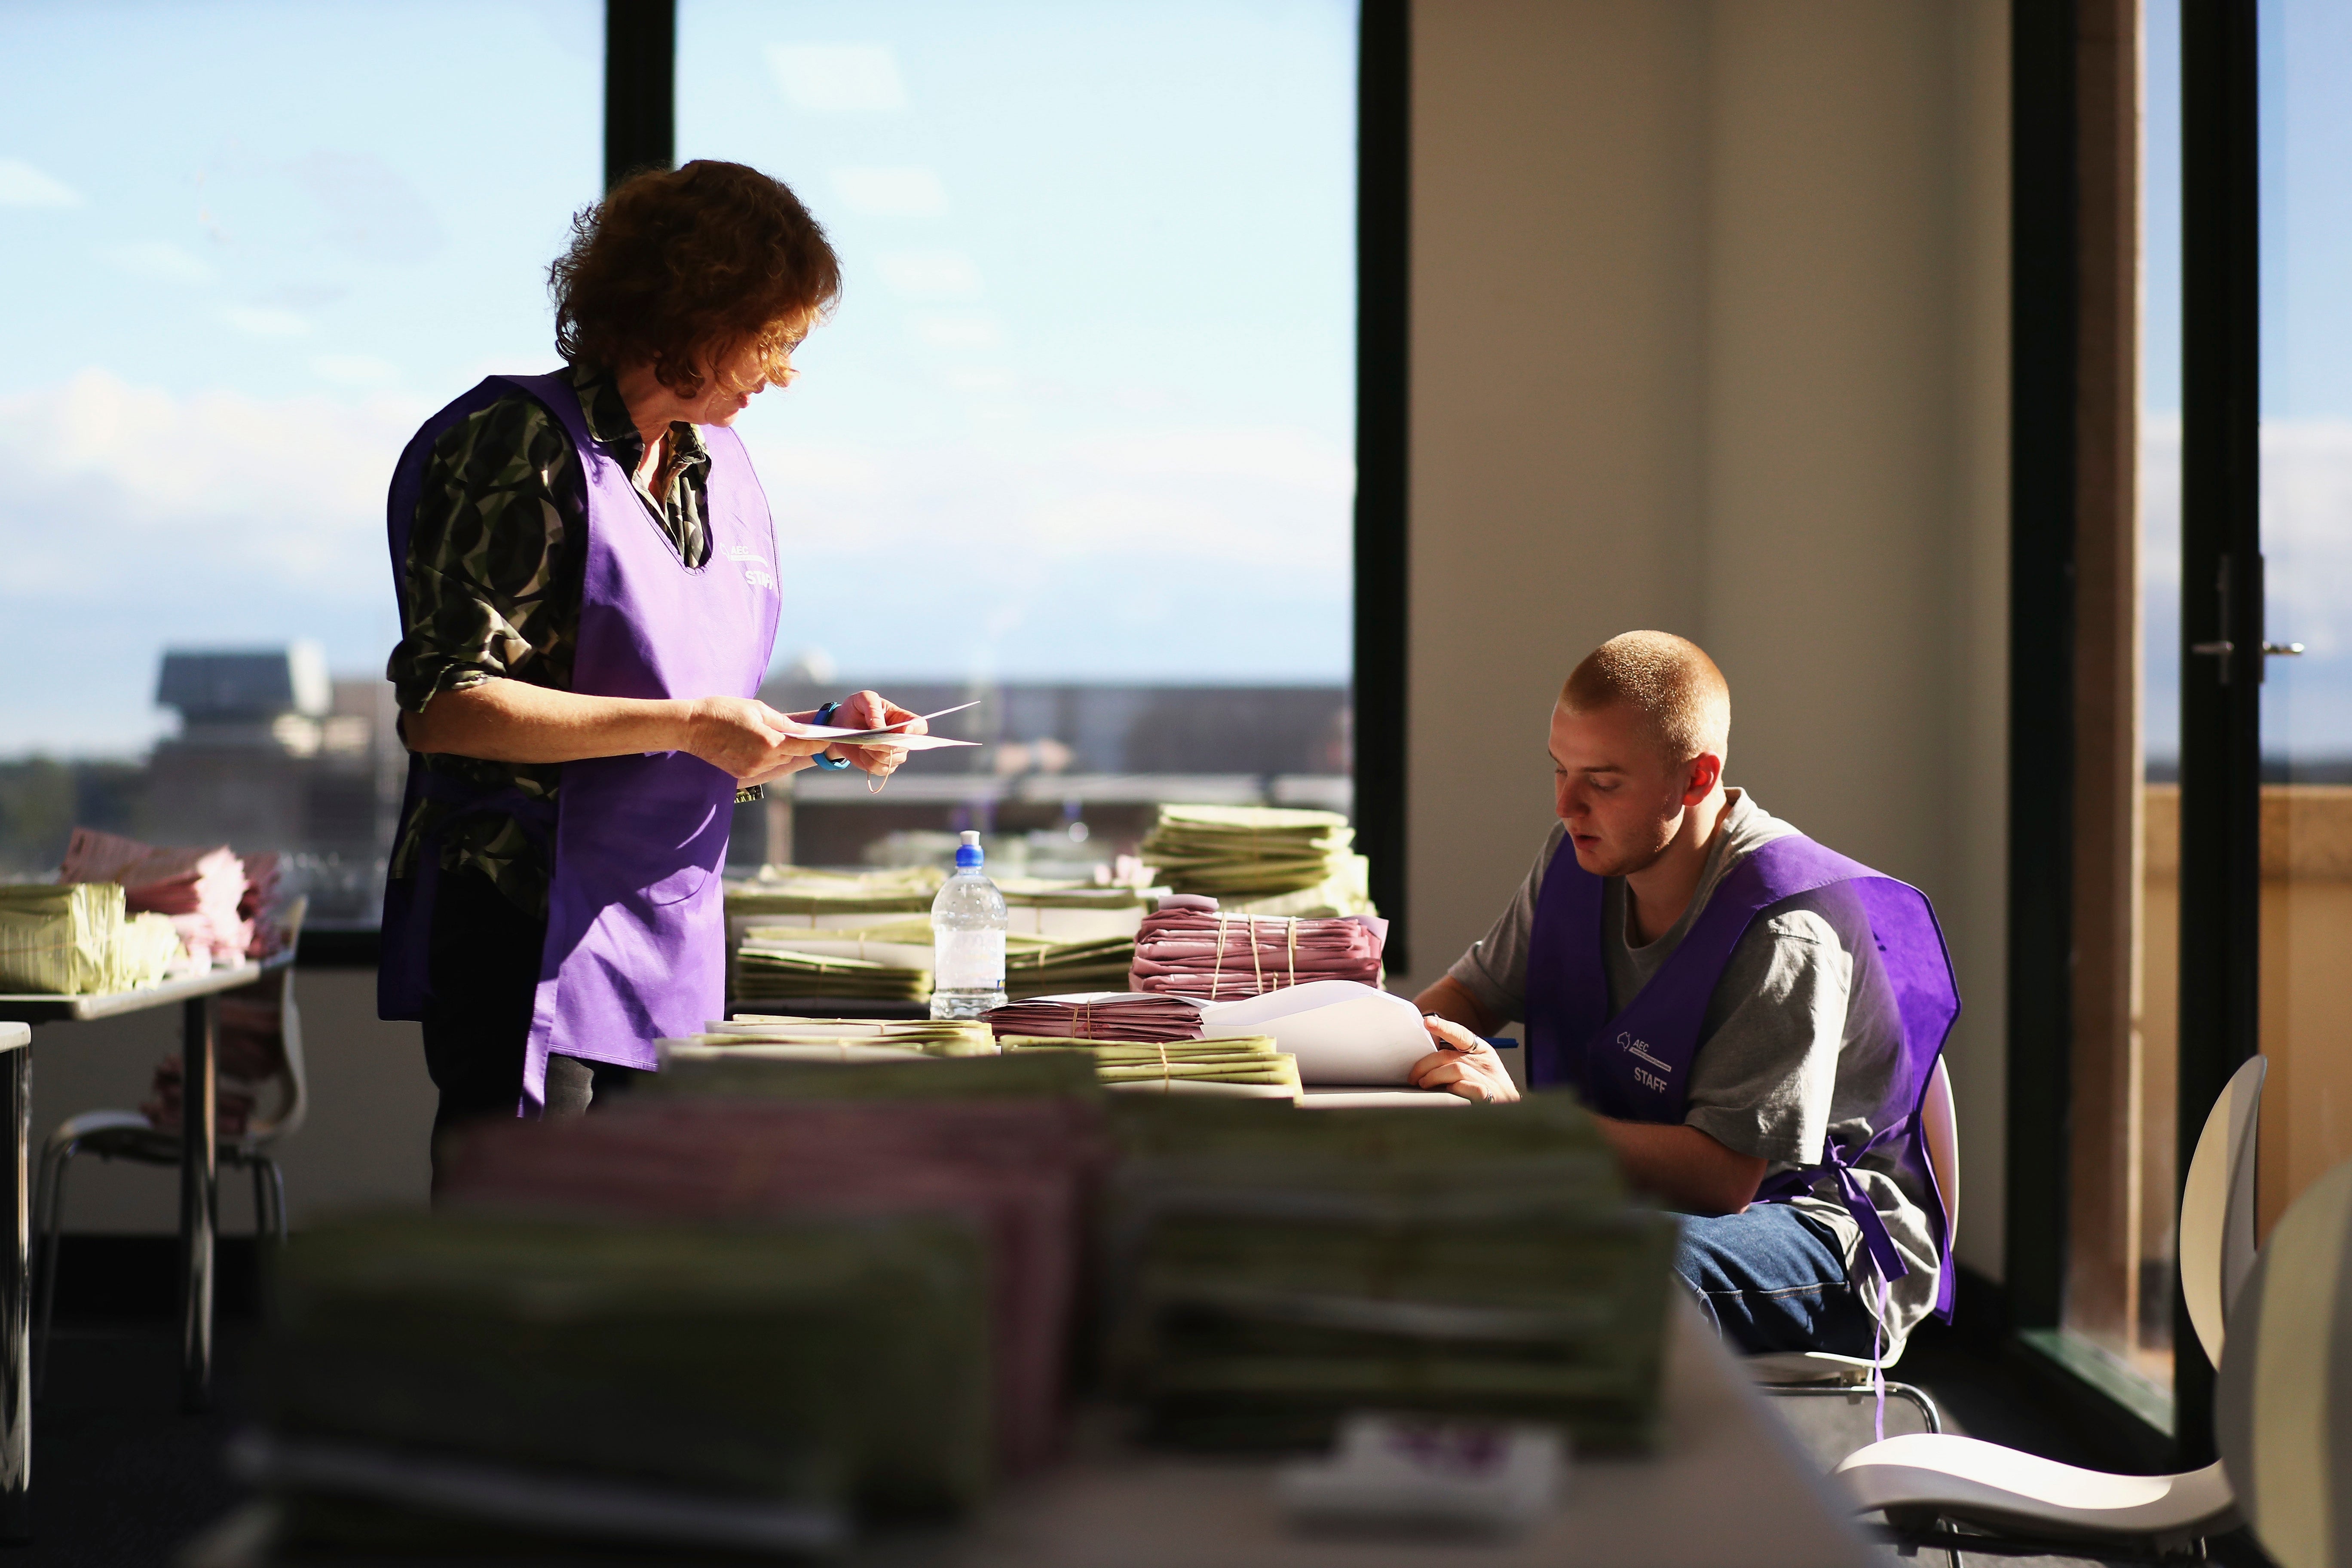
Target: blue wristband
x=825 y=716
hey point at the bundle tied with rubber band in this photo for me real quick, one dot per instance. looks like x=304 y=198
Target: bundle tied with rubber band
x=434 y=1383
x=1016 y=1167
x=1251 y=851
x=1272 y=1270
x=1190 y=947
x=1133 y=1015
x=1249 y=1067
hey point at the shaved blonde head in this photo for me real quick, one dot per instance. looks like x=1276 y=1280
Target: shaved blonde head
x=1668 y=680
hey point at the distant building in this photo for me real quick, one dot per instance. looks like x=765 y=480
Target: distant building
x=273 y=753
x=1059 y=757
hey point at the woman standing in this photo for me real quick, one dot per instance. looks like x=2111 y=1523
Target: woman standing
x=587 y=578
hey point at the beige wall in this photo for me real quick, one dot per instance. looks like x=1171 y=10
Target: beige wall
x=1709 y=326
x=371 y=1109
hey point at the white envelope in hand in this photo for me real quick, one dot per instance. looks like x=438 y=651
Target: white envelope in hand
x=1342 y=1031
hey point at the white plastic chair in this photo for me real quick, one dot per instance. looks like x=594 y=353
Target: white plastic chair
x=2280 y=1408
x=127 y=1135
x=1798 y=1373
x=1922 y=1477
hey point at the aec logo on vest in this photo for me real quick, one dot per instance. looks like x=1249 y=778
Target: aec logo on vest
x=1641 y=1050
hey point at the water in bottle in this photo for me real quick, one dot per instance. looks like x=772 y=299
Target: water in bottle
x=967 y=923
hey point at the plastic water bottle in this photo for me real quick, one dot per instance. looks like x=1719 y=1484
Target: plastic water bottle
x=968 y=922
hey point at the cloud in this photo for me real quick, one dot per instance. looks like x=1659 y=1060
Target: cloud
x=956 y=329
x=355 y=370
x=156 y=261
x=22 y=185
x=930 y=275
x=907 y=191
x=264 y=322
x=138 y=517
x=376 y=212
x=838 y=78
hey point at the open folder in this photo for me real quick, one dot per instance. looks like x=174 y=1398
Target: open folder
x=1342 y=1031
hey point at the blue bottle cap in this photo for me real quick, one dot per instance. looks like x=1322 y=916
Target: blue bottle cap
x=968 y=854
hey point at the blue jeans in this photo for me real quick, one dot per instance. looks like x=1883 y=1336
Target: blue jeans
x=1771 y=1280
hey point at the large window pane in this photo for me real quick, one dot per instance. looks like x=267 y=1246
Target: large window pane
x=247 y=248
x=1078 y=440
x=2306 y=520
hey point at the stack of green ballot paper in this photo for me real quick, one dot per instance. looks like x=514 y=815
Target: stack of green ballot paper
x=748 y=1073
x=880 y=963
x=913 y=1037
x=434 y=1379
x=1035 y=967
x=1247 y=1068
x=892 y=963
x=74 y=938
x=1275 y=1270
x=1252 y=851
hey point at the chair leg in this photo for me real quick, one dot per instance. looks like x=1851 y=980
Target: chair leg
x=261 y=1226
x=276 y=1196
x=48 y=1217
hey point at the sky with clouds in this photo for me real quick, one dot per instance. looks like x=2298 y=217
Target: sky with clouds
x=2306 y=441
x=1085 y=410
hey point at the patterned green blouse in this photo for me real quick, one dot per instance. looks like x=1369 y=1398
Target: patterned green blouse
x=492 y=584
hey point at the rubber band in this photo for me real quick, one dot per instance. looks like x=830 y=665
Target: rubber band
x=1257 y=971
x=1294 y=951
x=1217 y=972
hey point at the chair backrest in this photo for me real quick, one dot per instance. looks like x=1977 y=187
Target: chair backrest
x=294 y=1108
x=1941 y=1125
x=2283 y=1407
x=2217 y=1206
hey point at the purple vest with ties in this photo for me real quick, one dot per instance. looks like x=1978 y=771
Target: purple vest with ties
x=635 y=935
x=1636 y=1065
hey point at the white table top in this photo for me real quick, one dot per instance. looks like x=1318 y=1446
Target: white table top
x=48 y=1007
x=1335 y=1096
x=16 y=1037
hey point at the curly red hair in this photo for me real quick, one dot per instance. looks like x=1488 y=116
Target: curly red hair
x=693 y=270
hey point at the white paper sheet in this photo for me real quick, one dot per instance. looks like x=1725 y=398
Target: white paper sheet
x=888 y=734
x=1342 y=1031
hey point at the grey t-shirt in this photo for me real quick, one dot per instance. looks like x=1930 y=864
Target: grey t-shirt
x=1800 y=1036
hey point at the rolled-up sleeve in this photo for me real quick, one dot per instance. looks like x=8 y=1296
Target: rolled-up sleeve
x=492 y=551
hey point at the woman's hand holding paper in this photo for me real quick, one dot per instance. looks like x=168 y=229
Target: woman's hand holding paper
x=872 y=710
x=1463 y=1064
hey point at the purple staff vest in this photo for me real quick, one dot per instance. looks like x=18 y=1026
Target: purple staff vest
x=635 y=935
x=1636 y=1066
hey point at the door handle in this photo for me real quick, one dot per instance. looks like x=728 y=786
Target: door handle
x=2282 y=649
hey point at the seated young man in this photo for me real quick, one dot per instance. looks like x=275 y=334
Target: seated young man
x=1723 y=993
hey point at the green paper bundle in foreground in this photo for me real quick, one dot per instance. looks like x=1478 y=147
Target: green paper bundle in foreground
x=1272 y=1270
x=1244 y=1068
x=839 y=1366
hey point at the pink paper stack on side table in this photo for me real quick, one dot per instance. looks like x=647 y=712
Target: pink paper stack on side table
x=1017 y=1168
x=1139 y=1018
x=199 y=889
x=1189 y=947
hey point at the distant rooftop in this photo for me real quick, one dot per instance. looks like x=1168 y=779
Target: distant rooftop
x=213 y=686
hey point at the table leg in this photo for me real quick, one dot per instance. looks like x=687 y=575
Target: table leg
x=16 y=1312
x=199 y=1200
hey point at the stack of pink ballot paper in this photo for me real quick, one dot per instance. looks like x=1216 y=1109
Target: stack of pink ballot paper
x=1135 y=1015
x=1017 y=1168
x=1189 y=947
x=199 y=889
